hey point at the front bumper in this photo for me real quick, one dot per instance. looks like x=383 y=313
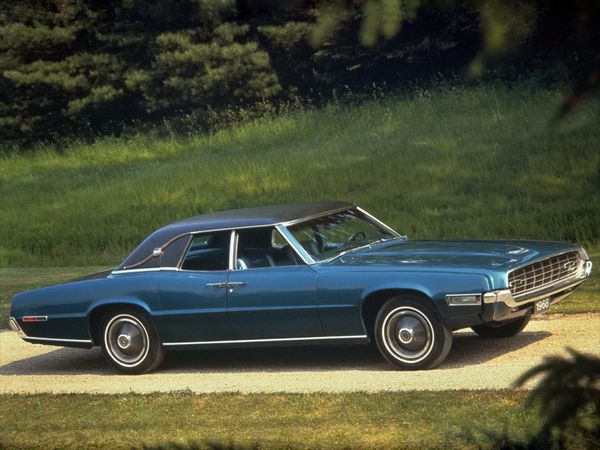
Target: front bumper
x=501 y=305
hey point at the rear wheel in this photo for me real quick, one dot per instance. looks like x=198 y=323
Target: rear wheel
x=410 y=333
x=502 y=330
x=130 y=343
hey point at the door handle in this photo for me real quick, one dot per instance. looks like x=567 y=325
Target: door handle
x=221 y=284
x=236 y=283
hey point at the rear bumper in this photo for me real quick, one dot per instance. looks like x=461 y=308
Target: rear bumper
x=14 y=325
x=80 y=343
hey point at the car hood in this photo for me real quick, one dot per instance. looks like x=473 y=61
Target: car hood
x=491 y=255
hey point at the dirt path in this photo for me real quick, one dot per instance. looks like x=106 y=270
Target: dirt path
x=473 y=363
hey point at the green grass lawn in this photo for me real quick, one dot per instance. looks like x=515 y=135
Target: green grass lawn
x=477 y=162
x=453 y=419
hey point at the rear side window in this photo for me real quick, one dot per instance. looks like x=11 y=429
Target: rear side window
x=208 y=251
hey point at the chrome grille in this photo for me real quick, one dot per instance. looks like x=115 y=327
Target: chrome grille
x=543 y=273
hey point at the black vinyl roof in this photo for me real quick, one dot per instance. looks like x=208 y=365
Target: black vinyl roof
x=230 y=219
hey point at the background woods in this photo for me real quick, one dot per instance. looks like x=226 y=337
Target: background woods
x=81 y=68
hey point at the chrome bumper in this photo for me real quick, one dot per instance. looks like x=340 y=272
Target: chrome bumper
x=14 y=325
x=555 y=292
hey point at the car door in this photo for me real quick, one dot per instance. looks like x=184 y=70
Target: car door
x=271 y=294
x=194 y=299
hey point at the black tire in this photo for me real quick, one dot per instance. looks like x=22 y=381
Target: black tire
x=410 y=333
x=502 y=329
x=130 y=342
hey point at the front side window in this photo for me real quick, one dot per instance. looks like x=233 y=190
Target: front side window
x=208 y=251
x=264 y=247
x=328 y=236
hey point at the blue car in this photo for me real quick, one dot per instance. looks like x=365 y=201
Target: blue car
x=318 y=273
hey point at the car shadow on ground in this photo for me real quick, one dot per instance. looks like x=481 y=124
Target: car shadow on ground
x=468 y=350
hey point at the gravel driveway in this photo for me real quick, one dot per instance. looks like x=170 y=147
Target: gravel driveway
x=473 y=363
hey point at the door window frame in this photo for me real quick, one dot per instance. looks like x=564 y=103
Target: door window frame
x=234 y=241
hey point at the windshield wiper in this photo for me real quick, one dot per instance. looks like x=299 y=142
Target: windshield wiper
x=360 y=247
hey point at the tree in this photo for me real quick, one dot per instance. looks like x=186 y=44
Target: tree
x=505 y=26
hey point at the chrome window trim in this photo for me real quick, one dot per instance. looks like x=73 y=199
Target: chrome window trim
x=248 y=341
x=233 y=244
x=379 y=222
x=185 y=250
x=282 y=231
x=294 y=244
x=316 y=216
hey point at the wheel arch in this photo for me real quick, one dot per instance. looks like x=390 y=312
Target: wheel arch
x=97 y=311
x=374 y=300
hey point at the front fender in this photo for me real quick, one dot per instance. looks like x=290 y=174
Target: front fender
x=343 y=293
x=435 y=286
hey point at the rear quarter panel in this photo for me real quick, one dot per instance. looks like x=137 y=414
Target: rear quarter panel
x=68 y=306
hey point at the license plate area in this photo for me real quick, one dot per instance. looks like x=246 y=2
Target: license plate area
x=541 y=306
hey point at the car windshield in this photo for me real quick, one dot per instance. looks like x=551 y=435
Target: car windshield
x=329 y=236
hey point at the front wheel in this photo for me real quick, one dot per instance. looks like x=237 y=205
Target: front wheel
x=130 y=343
x=502 y=330
x=410 y=333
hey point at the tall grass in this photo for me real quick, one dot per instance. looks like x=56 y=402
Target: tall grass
x=479 y=162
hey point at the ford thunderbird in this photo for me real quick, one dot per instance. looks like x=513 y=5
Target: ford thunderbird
x=320 y=273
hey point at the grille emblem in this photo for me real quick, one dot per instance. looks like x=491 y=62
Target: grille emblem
x=570 y=265
x=516 y=282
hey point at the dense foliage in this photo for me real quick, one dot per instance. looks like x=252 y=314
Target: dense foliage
x=83 y=67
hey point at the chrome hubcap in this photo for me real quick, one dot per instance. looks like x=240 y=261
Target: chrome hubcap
x=405 y=335
x=124 y=340
x=408 y=334
x=127 y=340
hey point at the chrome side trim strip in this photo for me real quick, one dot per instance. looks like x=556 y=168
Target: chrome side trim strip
x=33 y=338
x=249 y=341
x=151 y=269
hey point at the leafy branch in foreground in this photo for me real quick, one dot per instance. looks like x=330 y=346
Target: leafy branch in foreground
x=568 y=394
